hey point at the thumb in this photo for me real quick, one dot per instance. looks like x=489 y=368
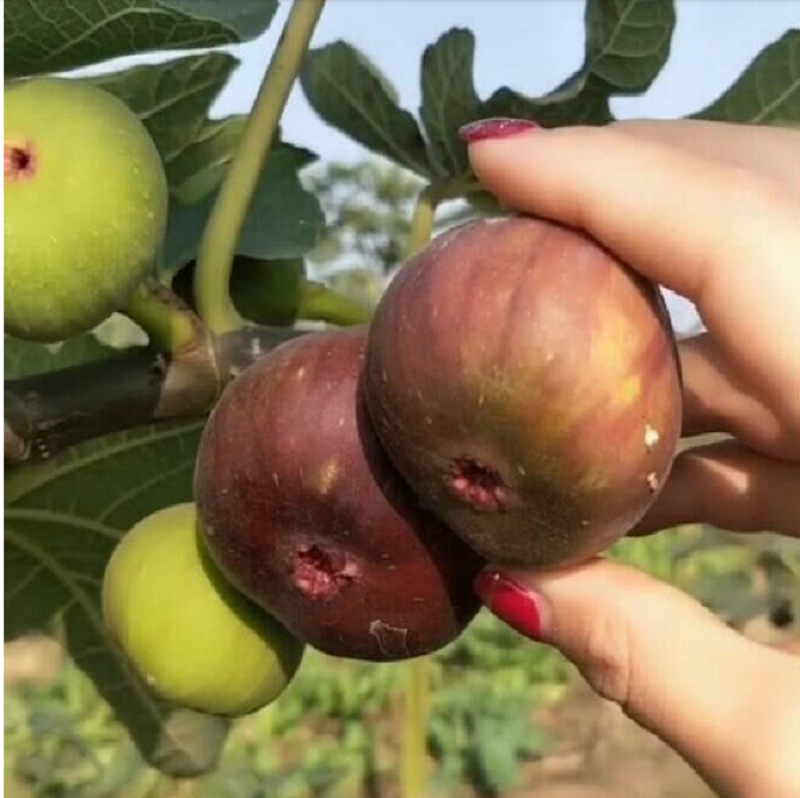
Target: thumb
x=669 y=663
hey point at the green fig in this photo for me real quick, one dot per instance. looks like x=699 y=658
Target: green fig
x=192 y=637
x=268 y=292
x=277 y=292
x=263 y=291
x=85 y=206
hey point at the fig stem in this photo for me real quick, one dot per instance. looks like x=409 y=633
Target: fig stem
x=320 y=303
x=221 y=234
x=170 y=325
x=422 y=219
x=414 y=776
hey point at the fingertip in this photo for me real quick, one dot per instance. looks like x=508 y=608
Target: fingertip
x=495 y=128
x=511 y=601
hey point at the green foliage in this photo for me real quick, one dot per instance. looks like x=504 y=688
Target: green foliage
x=347 y=92
x=172 y=99
x=43 y=36
x=334 y=731
x=481 y=735
x=367 y=208
x=768 y=92
x=284 y=220
x=63 y=519
x=627 y=44
x=449 y=98
x=25 y=358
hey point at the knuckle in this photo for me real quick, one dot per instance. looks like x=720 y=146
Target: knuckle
x=606 y=660
x=754 y=197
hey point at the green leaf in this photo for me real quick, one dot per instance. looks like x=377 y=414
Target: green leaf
x=627 y=44
x=284 y=220
x=449 y=99
x=628 y=41
x=768 y=91
x=63 y=519
x=173 y=99
x=25 y=358
x=46 y=36
x=200 y=166
x=199 y=169
x=344 y=88
x=578 y=103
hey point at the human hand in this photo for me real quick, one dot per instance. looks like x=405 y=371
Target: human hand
x=711 y=211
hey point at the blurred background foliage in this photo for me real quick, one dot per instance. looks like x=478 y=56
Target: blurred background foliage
x=335 y=731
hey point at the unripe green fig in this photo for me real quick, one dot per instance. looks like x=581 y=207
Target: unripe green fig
x=193 y=638
x=85 y=206
x=268 y=292
x=277 y=292
x=263 y=291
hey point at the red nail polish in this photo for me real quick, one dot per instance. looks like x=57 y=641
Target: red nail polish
x=495 y=128
x=510 y=602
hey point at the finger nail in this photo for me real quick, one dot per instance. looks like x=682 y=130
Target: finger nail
x=512 y=603
x=494 y=128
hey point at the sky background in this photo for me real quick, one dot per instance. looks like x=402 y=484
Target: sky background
x=530 y=45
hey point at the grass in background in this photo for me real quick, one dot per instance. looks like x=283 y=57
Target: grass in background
x=336 y=731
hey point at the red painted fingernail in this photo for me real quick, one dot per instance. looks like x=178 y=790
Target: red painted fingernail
x=510 y=602
x=494 y=128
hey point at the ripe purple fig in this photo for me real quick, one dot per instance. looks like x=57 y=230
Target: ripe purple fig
x=526 y=385
x=304 y=513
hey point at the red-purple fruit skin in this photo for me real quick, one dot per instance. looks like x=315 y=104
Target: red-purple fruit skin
x=526 y=385
x=305 y=514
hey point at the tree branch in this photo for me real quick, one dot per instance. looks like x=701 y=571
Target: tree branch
x=46 y=413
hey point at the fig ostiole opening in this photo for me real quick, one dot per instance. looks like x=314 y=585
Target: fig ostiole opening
x=19 y=161
x=320 y=573
x=477 y=485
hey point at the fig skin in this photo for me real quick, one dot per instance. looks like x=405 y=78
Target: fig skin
x=526 y=385
x=85 y=206
x=193 y=638
x=305 y=514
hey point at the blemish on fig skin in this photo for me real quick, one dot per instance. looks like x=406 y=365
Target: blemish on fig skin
x=322 y=573
x=477 y=485
x=652 y=481
x=391 y=640
x=328 y=476
x=651 y=437
x=19 y=161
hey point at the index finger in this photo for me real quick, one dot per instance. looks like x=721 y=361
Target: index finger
x=773 y=152
x=717 y=234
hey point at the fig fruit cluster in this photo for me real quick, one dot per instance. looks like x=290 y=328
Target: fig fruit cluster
x=516 y=399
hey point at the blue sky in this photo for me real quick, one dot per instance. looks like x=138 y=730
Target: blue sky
x=531 y=45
